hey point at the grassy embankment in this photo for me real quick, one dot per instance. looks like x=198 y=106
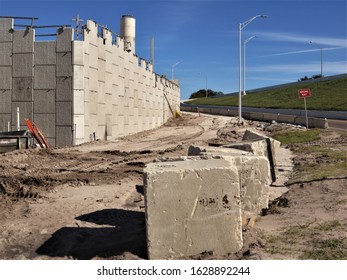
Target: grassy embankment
x=324 y=160
x=326 y=95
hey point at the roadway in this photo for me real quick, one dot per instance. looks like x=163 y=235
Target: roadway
x=337 y=124
x=336 y=119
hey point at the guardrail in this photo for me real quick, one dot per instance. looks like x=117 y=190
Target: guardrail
x=258 y=116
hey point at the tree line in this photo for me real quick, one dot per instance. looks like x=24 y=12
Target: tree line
x=202 y=93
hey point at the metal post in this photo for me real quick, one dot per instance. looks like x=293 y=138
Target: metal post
x=241 y=26
x=244 y=66
x=306 y=113
x=321 y=58
x=240 y=101
x=18 y=120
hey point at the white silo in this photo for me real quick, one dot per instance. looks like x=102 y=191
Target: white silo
x=127 y=32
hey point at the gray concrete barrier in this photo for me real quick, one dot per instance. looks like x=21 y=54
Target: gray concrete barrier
x=268 y=117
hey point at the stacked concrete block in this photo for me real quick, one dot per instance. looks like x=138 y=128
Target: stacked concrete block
x=255 y=180
x=22 y=75
x=6 y=26
x=78 y=88
x=64 y=93
x=188 y=201
x=272 y=148
x=78 y=95
x=260 y=147
x=45 y=89
x=254 y=174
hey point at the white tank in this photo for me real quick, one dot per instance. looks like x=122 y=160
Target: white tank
x=127 y=32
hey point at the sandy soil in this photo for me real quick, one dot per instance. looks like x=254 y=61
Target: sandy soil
x=86 y=202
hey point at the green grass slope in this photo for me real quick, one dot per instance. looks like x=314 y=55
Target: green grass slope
x=325 y=95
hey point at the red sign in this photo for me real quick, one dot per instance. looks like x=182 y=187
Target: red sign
x=304 y=93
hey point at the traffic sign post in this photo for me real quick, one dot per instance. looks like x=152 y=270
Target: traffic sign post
x=303 y=93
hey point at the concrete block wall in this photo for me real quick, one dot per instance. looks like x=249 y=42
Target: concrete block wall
x=6 y=43
x=74 y=89
x=121 y=91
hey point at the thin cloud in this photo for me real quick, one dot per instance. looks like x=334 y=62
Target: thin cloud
x=337 y=67
x=301 y=38
x=298 y=52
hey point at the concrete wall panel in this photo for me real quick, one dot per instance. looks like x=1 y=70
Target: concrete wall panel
x=93 y=102
x=51 y=142
x=6 y=77
x=44 y=101
x=45 y=53
x=64 y=39
x=5 y=101
x=78 y=52
x=63 y=136
x=64 y=89
x=22 y=89
x=5 y=53
x=23 y=65
x=45 y=77
x=46 y=123
x=25 y=111
x=64 y=64
x=93 y=56
x=6 y=25
x=78 y=77
x=63 y=113
x=4 y=120
x=78 y=120
x=23 y=41
x=78 y=102
x=93 y=79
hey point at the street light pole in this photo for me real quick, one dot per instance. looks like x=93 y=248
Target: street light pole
x=172 y=69
x=244 y=62
x=242 y=26
x=321 y=58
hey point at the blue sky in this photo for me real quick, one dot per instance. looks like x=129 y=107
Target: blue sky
x=203 y=36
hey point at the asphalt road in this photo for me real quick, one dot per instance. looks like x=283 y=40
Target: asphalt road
x=338 y=124
x=336 y=119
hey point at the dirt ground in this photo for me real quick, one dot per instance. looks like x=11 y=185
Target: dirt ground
x=86 y=202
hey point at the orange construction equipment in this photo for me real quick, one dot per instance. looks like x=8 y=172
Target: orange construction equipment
x=36 y=132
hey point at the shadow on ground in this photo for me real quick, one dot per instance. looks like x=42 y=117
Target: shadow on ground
x=125 y=231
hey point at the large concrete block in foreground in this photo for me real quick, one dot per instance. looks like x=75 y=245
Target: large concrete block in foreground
x=255 y=180
x=192 y=207
x=254 y=174
x=261 y=147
